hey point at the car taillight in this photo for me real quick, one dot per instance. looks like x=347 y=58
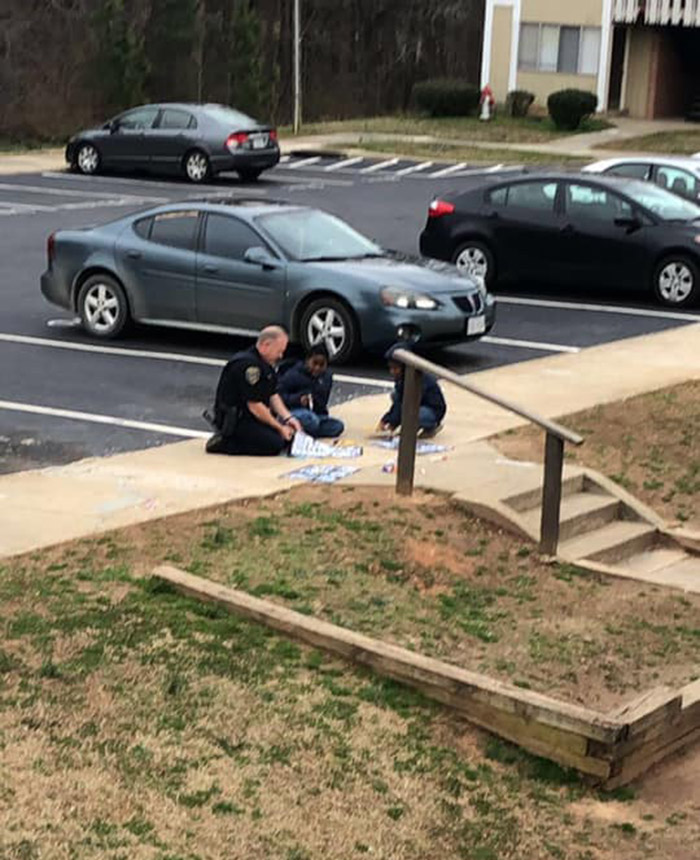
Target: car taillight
x=233 y=141
x=273 y=134
x=438 y=208
x=51 y=247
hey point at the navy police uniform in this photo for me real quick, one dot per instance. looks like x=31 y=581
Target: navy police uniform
x=247 y=378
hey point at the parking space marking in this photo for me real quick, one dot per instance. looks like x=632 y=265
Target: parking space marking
x=61 y=192
x=18 y=207
x=414 y=168
x=305 y=162
x=346 y=162
x=96 y=418
x=530 y=344
x=380 y=165
x=604 y=309
x=184 y=358
x=446 y=171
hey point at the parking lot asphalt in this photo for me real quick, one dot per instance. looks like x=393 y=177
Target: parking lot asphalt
x=64 y=396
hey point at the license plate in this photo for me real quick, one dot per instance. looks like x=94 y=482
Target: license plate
x=259 y=141
x=476 y=325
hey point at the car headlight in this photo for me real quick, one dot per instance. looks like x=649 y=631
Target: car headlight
x=397 y=297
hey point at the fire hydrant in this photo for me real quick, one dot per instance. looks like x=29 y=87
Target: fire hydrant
x=487 y=103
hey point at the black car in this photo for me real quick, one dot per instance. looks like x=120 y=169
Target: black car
x=194 y=140
x=572 y=229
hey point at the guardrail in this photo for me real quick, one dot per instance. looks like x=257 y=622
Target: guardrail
x=657 y=12
x=556 y=437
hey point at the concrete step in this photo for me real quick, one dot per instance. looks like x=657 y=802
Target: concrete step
x=682 y=574
x=532 y=498
x=580 y=512
x=656 y=559
x=611 y=543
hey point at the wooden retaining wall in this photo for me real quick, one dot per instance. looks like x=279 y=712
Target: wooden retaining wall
x=613 y=748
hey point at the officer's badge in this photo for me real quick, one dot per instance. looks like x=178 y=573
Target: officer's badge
x=252 y=375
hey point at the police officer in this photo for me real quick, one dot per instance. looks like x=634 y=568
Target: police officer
x=249 y=415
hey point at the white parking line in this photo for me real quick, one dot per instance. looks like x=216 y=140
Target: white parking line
x=95 y=418
x=414 y=168
x=35 y=208
x=530 y=344
x=305 y=162
x=19 y=207
x=390 y=162
x=346 y=162
x=184 y=358
x=454 y=168
x=61 y=192
x=604 y=309
x=495 y=168
x=122 y=180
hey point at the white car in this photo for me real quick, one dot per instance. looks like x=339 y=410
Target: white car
x=679 y=174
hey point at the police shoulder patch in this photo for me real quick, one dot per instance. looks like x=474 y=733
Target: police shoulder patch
x=252 y=375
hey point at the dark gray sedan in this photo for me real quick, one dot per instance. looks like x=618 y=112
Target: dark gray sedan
x=236 y=265
x=194 y=140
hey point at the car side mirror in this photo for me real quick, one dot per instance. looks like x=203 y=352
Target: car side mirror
x=260 y=257
x=628 y=222
x=111 y=126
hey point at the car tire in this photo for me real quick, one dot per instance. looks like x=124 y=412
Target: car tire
x=196 y=166
x=476 y=259
x=676 y=281
x=103 y=308
x=248 y=175
x=87 y=159
x=331 y=322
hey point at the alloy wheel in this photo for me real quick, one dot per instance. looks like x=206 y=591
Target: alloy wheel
x=473 y=261
x=88 y=159
x=101 y=306
x=675 y=282
x=197 y=166
x=327 y=327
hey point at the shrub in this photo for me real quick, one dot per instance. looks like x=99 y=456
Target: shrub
x=518 y=102
x=445 y=97
x=568 y=108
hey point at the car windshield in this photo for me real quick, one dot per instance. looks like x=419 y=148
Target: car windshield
x=310 y=235
x=228 y=116
x=662 y=203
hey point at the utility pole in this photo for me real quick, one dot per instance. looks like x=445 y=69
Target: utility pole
x=297 y=66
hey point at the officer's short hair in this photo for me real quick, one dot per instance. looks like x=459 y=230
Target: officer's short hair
x=318 y=349
x=270 y=333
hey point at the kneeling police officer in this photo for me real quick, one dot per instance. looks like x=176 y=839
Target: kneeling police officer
x=249 y=415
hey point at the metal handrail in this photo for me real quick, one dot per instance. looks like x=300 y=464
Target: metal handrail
x=556 y=436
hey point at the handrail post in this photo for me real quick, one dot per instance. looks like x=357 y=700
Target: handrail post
x=410 y=407
x=551 y=494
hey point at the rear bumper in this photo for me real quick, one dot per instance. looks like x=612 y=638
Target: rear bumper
x=53 y=291
x=263 y=159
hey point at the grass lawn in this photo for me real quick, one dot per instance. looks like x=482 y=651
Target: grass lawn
x=470 y=154
x=675 y=142
x=501 y=129
x=649 y=444
x=135 y=723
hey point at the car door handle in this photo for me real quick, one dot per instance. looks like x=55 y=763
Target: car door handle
x=208 y=267
x=135 y=255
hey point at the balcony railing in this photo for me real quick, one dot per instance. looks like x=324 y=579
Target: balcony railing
x=683 y=13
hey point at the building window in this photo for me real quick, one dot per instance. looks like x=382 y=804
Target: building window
x=551 y=48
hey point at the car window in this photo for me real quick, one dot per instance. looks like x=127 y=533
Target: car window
x=498 y=197
x=667 y=206
x=139 y=118
x=589 y=201
x=176 y=119
x=232 y=118
x=176 y=229
x=309 y=234
x=632 y=170
x=143 y=227
x=678 y=181
x=226 y=236
x=538 y=196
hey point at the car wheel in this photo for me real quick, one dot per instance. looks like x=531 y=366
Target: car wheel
x=330 y=322
x=196 y=166
x=249 y=175
x=676 y=281
x=475 y=259
x=87 y=159
x=102 y=306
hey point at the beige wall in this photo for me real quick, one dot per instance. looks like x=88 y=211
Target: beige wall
x=587 y=13
x=641 y=49
x=543 y=84
x=500 y=51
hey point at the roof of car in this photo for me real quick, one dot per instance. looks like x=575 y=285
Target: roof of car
x=687 y=161
x=227 y=202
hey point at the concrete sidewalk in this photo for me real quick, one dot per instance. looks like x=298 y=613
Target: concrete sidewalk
x=48 y=506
